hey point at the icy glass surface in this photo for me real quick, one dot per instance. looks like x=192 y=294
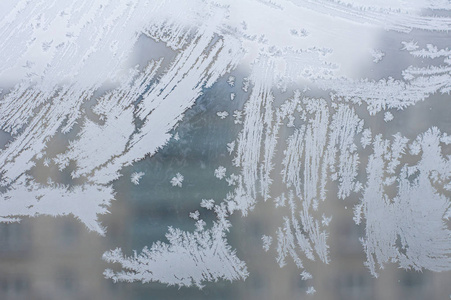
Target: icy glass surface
x=258 y=149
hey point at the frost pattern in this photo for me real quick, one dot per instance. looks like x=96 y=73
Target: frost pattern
x=188 y=259
x=419 y=201
x=66 y=77
x=38 y=108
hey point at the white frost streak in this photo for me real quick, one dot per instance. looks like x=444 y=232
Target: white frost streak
x=344 y=127
x=115 y=108
x=85 y=202
x=418 y=84
x=289 y=241
x=102 y=149
x=163 y=106
x=19 y=155
x=395 y=228
x=258 y=117
x=402 y=19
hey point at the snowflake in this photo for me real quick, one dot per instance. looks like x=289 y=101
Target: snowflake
x=232 y=180
x=237 y=114
x=208 y=204
x=230 y=147
x=200 y=224
x=220 y=172
x=410 y=46
x=46 y=162
x=231 y=81
x=304 y=32
x=280 y=201
x=135 y=177
x=366 y=138
x=306 y=275
x=290 y=121
x=246 y=83
x=311 y=290
x=177 y=180
x=194 y=215
x=377 y=55
x=388 y=116
x=326 y=220
x=222 y=114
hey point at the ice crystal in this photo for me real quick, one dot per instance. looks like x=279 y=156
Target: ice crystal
x=194 y=215
x=377 y=55
x=306 y=275
x=311 y=290
x=231 y=147
x=231 y=81
x=388 y=116
x=220 y=172
x=177 y=180
x=222 y=114
x=208 y=204
x=135 y=177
